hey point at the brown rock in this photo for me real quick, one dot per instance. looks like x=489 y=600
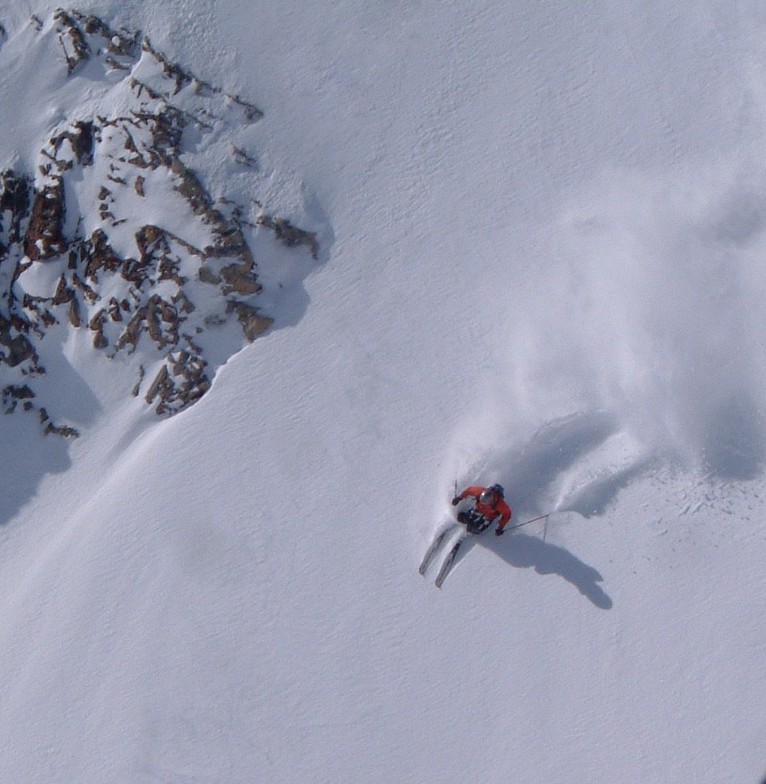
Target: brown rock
x=240 y=279
x=253 y=324
x=74 y=313
x=100 y=256
x=290 y=235
x=44 y=237
x=76 y=49
x=63 y=293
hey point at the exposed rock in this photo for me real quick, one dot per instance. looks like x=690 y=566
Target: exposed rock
x=97 y=322
x=63 y=293
x=18 y=346
x=44 y=237
x=179 y=383
x=137 y=388
x=91 y=295
x=15 y=200
x=244 y=158
x=80 y=138
x=132 y=332
x=96 y=325
x=184 y=304
x=172 y=71
x=60 y=430
x=206 y=275
x=191 y=189
x=161 y=386
x=149 y=299
x=253 y=323
x=12 y=394
x=72 y=40
x=290 y=235
x=74 y=313
x=117 y=43
x=239 y=279
x=100 y=255
x=147 y=239
x=252 y=113
x=158 y=260
x=115 y=311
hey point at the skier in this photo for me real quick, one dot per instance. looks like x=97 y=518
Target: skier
x=489 y=507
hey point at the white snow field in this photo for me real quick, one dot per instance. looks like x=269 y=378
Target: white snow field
x=543 y=263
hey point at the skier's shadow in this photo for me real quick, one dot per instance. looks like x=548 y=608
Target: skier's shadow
x=524 y=551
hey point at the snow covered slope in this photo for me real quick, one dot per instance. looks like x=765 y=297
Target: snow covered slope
x=543 y=233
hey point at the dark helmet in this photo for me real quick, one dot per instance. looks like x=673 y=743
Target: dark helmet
x=492 y=495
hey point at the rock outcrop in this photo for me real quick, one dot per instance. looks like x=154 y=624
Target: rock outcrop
x=136 y=250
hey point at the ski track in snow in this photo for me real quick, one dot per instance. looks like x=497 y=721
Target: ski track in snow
x=543 y=268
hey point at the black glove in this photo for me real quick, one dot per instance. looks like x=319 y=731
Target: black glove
x=456 y=500
x=499 y=531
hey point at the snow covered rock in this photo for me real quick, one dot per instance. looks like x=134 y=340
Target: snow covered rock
x=116 y=233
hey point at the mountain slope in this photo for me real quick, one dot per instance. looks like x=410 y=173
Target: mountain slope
x=231 y=594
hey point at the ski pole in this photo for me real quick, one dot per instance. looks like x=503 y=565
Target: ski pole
x=533 y=520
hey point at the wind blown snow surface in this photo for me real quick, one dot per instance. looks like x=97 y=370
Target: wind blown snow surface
x=544 y=239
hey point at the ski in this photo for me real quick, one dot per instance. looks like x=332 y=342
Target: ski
x=435 y=545
x=449 y=562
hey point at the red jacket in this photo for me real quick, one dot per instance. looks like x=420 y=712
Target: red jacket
x=490 y=511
